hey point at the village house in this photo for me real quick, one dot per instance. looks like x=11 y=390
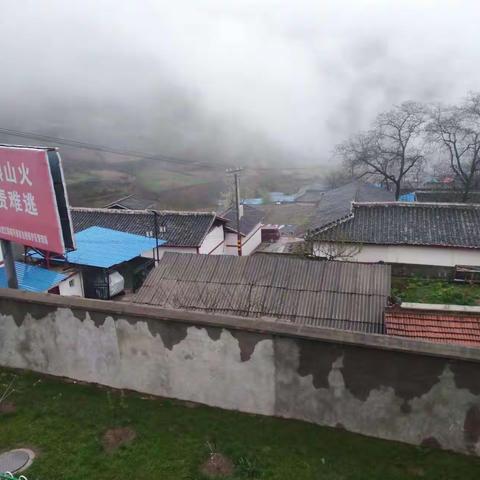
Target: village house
x=104 y=264
x=407 y=235
x=250 y=229
x=184 y=232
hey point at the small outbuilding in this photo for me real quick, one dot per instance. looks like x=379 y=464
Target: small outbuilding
x=110 y=261
x=430 y=238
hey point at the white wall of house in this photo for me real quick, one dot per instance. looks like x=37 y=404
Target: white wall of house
x=214 y=242
x=72 y=286
x=416 y=255
x=249 y=243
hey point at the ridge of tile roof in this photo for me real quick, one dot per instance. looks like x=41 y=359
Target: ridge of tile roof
x=142 y=211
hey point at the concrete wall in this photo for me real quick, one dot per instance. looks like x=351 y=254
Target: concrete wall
x=446 y=257
x=376 y=385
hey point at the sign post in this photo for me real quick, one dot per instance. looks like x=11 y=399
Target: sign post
x=7 y=252
x=237 y=207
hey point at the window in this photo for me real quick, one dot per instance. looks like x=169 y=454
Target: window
x=71 y=283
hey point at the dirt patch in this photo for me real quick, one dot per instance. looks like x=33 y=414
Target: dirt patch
x=8 y=407
x=116 y=437
x=217 y=466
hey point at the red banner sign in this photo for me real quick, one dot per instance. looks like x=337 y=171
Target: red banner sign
x=28 y=207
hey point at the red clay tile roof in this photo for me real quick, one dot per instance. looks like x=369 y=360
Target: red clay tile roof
x=461 y=328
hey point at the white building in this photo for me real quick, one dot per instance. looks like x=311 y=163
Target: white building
x=427 y=234
x=250 y=230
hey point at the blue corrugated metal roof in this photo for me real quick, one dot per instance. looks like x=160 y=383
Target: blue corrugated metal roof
x=104 y=248
x=408 y=197
x=32 y=278
x=252 y=201
x=281 y=197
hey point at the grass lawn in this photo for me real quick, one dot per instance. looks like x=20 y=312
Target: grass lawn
x=65 y=424
x=435 y=291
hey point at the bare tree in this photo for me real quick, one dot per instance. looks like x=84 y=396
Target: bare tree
x=339 y=250
x=392 y=150
x=337 y=177
x=456 y=129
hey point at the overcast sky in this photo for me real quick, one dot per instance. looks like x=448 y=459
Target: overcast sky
x=225 y=79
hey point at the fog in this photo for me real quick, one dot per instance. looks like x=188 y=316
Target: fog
x=228 y=81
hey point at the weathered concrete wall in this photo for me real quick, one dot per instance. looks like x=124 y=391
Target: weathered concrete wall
x=381 y=386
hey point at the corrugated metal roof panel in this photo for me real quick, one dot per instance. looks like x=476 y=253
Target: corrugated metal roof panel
x=290 y=289
x=32 y=278
x=104 y=248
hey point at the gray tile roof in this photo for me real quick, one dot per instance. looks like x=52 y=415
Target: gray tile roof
x=343 y=295
x=311 y=193
x=337 y=203
x=445 y=196
x=397 y=223
x=132 y=202
x=251 y=218
x=182 y=229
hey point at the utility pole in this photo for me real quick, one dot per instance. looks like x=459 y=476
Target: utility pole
x=236 y=172
x=7 y=252
x=156 y=257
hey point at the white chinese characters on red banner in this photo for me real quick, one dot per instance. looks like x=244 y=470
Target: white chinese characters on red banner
x=28 y=207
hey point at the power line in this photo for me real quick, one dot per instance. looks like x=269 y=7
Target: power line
x=103 y=148
x=133 y=153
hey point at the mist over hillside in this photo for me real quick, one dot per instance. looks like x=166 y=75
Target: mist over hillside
x=260 y=83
